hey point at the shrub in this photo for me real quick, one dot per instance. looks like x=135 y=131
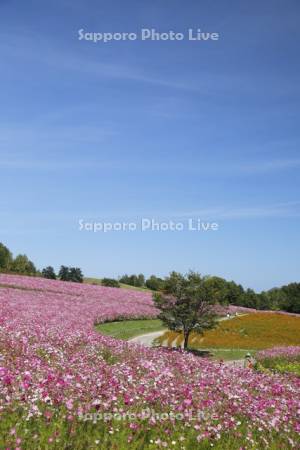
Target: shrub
x=110 y=282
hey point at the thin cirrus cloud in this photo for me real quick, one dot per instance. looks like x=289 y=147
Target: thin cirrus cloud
x=63 y=134
x=269 y=166
x=29 y=46
x=290 y=209
x=32 y=48
x=17 y=161
x=279 y=210
x=243 y=168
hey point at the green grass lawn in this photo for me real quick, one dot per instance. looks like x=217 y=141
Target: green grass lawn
x=128 y=329
x=231 y=354
x=92 y=281
x=134 y=288
x=122 y=285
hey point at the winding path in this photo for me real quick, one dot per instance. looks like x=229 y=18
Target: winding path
x=148 y=338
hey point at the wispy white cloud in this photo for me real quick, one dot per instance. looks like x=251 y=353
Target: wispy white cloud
x=279 y=210
x=37 y=146
x=30 y=46
x=269 y=166
x=66 y=137
x=282 y=210
x=54 y=165
x=32 y=133
x=35 y=49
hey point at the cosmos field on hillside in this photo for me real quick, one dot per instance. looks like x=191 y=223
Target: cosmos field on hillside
x=63 y=385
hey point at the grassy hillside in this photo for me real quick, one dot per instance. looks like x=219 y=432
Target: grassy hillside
x=124 y=286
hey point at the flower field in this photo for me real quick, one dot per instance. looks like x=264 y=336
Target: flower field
x=257 y=330
x=65 y=386
x=280 y=359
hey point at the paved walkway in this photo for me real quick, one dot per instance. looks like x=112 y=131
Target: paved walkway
x=147 y=339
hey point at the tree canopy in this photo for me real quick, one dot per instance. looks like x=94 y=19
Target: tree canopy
x=22 y=264
x=5 y=257
x=49 y=273
x=186 y=304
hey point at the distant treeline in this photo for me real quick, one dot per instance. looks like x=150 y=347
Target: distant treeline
x=22 y=265
x=285 y=298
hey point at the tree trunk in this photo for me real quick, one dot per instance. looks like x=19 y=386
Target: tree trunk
x=186 y=334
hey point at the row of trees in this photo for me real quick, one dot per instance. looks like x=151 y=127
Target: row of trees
x=286 y=298
x=22 y=265
x=65 y=274
x=154 y=283
x=133 y=280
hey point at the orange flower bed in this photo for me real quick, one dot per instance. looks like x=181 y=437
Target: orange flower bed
x=256 y=331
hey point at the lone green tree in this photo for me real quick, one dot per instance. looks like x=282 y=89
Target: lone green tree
x=186 y=304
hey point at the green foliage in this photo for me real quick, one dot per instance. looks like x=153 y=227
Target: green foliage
x=290 y=299
x=58 y=429
x=5 y=258
x=286 y=298
x=49 y=273
x=63 y=273
x=186 y=304
x=110 y=282
x=133 y=280
x=234 y=292
x=223 y=292
x=140 y=280
x=154 y=283
x=280 y=365
x=76 y=275
x=250 y=299
x=70 y=274
x=288 y=367
x=21 y=264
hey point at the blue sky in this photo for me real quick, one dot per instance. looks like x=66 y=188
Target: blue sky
x=169 y=130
